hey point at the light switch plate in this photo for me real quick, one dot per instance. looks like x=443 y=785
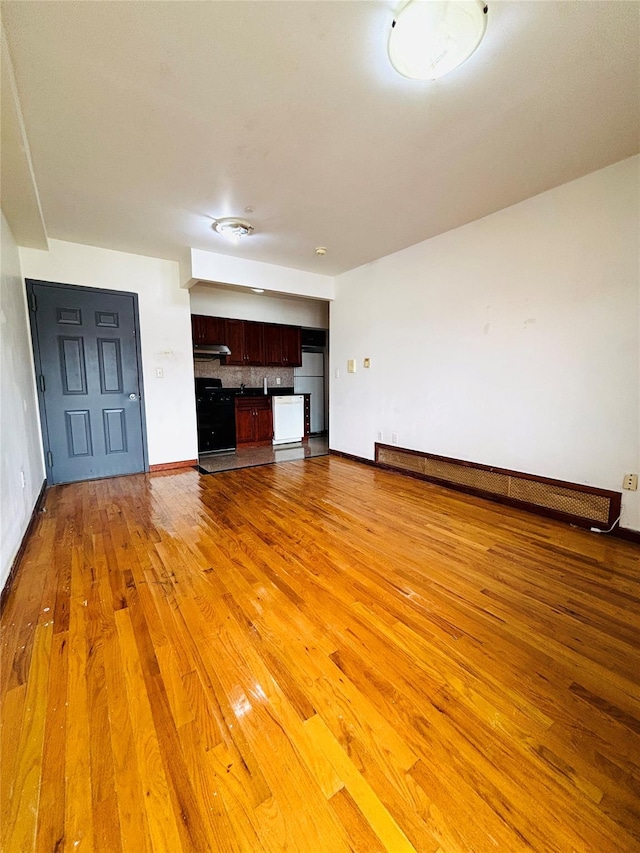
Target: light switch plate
x=351 y=365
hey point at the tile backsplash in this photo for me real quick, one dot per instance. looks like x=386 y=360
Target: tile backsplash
x=252 y=377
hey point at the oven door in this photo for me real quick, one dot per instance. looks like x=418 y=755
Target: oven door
x=216 y=429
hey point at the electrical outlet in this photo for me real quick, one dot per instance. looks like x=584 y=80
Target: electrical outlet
x=278 y=380
x=337 y=373
x=159 y=373
x=630 y=482
x=366 y=362
x=394 y=438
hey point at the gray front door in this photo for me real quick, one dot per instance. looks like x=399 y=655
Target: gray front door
x=86 y=357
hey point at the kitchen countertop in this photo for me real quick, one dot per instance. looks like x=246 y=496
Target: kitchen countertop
x=259 y=392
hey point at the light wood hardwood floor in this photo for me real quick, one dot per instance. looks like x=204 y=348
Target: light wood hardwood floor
x=317 y=657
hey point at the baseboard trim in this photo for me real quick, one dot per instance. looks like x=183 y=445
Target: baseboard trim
x=13 y=571
x=626 y=533
x=354 y=458
x=168 y=466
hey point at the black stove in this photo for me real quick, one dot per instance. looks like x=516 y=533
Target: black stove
x=215 y=409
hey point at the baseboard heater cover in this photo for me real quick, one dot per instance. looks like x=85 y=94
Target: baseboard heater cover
x=586 y=506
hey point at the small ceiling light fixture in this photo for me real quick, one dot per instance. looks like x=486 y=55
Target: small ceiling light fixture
x=429 y=38
x=321 y=250
x=232 y=227
x=258 y=289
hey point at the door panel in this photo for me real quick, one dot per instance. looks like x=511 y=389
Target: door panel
x=87 y=358
x=115 y=430
x=72 y=365
x=78 y=425
x=110 y=366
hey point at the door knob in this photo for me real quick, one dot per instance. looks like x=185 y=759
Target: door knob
x=133 y=396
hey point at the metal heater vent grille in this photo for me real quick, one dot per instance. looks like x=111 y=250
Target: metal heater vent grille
x=580 y=504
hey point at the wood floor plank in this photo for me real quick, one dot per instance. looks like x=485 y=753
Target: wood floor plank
x=318 y=657
x=19 y=832
x=77 y=794
x=379 y=819
x=163 y=831
x=51 y=807
x=12 y=713
x=131 y=791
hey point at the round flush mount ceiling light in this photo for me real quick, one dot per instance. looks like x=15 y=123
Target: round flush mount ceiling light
x=429 y=38
x=321 y=250
x=232 y=227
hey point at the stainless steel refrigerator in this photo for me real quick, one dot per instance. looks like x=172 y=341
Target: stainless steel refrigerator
x=309 y=379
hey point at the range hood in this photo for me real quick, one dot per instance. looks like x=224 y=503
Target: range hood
x=211 y=350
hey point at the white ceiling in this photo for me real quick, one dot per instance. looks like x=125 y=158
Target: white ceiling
x=146 y=120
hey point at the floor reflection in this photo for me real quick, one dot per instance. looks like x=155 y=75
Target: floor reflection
x=213 y=463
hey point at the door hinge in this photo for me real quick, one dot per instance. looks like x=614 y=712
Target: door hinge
x=41 y=382
x=49 y=459
x=32 y=301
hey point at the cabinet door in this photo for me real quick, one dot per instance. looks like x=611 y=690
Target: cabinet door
x=197 y=328
x=213 y=331
x=253 y=343
x=272 y=345
x=264 y=422
x=234 y=339
x=291 y=346
x=245 y=425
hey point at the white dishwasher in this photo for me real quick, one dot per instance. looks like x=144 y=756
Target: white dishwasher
x=288 y=418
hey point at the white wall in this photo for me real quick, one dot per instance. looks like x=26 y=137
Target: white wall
x=20 y=445
x=223 y=302
x=512 y=341
x=165 y=331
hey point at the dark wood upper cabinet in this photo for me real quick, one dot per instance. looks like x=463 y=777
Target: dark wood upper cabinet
x=251 y=344
x=254 y=343
x=246 y=342
x=213 y=330
x=207 y=330
x=291 y=346
x=234 y=339
x=273 y=345
x=282 y=347
x=196 y=328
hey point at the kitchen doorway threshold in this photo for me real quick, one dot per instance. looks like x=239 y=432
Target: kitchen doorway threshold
x=214 y=463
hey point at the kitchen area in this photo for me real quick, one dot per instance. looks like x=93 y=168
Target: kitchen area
x=260 y=387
